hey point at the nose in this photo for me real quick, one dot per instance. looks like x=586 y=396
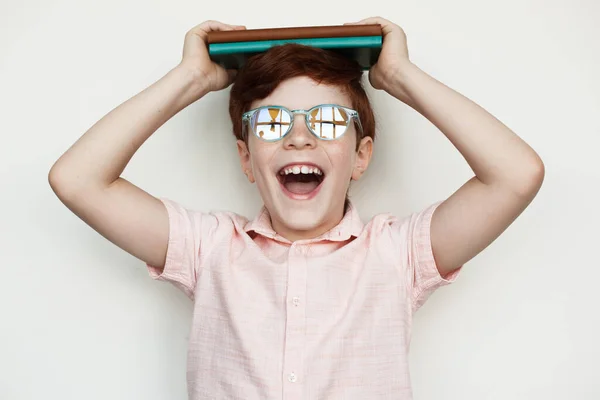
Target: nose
x=300 y=137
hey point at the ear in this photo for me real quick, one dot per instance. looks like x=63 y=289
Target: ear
x=363 y=157
x=245 y=160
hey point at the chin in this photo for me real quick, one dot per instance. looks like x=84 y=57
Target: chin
x=303 y=219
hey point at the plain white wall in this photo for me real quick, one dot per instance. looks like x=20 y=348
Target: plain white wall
x=81 y=319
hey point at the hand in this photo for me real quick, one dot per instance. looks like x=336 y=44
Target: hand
x=394 y=52
x=196 y=58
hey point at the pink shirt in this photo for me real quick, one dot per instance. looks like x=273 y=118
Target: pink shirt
x=326 y=318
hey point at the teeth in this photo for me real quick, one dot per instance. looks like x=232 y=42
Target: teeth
x=304 y=169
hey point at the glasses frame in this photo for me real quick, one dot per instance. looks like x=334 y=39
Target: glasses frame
x=353 y=114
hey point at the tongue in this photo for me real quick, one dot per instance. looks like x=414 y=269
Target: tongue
x=301 y=187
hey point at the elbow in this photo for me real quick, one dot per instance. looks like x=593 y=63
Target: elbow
x=532 y=178
x=71 y=184
x=62 y=184
x=56 y=180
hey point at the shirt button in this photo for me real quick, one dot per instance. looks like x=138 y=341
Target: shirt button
x=292 y=377
x=296 y=301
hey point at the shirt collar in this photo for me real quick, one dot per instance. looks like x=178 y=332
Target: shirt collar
x=350 y=225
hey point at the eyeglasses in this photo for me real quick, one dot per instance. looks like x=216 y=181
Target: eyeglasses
x=325 y=121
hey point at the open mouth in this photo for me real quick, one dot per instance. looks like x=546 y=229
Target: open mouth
x=300 y=181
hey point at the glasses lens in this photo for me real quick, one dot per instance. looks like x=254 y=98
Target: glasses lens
x=328 y=122
x=270 y=123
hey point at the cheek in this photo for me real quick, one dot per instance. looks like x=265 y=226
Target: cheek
x=261 y=157
x=342 y=158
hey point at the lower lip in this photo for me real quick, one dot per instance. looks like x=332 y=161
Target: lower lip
x=296 y=196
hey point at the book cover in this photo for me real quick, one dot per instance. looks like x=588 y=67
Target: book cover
x=323 y=43
x=251 y=35
x=363 y=49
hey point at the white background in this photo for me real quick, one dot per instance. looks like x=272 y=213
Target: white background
x=81 y=319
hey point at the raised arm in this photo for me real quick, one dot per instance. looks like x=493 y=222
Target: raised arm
x=508 y=173
x=86 y=178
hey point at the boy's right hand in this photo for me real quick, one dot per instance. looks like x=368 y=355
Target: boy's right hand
x=196 y=57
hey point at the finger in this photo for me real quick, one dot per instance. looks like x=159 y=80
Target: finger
x=217 y=25
x=386 y=25
x=374 y=20
x=209 y=26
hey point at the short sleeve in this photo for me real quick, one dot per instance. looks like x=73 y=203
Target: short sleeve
x=189 y=234
x=417 y=261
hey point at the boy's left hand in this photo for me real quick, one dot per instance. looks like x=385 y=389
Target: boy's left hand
x=394 y=52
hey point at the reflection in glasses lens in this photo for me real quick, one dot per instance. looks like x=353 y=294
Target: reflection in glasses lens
x=272 y=123
x=328 y=122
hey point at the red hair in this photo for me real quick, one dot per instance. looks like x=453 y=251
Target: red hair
x=263 y=72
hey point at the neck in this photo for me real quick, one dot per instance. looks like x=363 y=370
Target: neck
x=294 y=234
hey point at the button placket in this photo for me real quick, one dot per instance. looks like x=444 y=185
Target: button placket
x=295 y=324
x=292 y=377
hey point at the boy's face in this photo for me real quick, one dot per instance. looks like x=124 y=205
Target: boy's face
x=311 y=205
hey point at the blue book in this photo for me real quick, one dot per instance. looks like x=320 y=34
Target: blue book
x=364 y=49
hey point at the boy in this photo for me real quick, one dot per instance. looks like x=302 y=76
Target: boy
x=304 y=301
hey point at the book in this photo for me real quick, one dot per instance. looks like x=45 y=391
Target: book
x=364 y=49
x=331 y=31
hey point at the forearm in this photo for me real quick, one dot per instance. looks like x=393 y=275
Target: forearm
x=102 y=153
x=496 y=155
